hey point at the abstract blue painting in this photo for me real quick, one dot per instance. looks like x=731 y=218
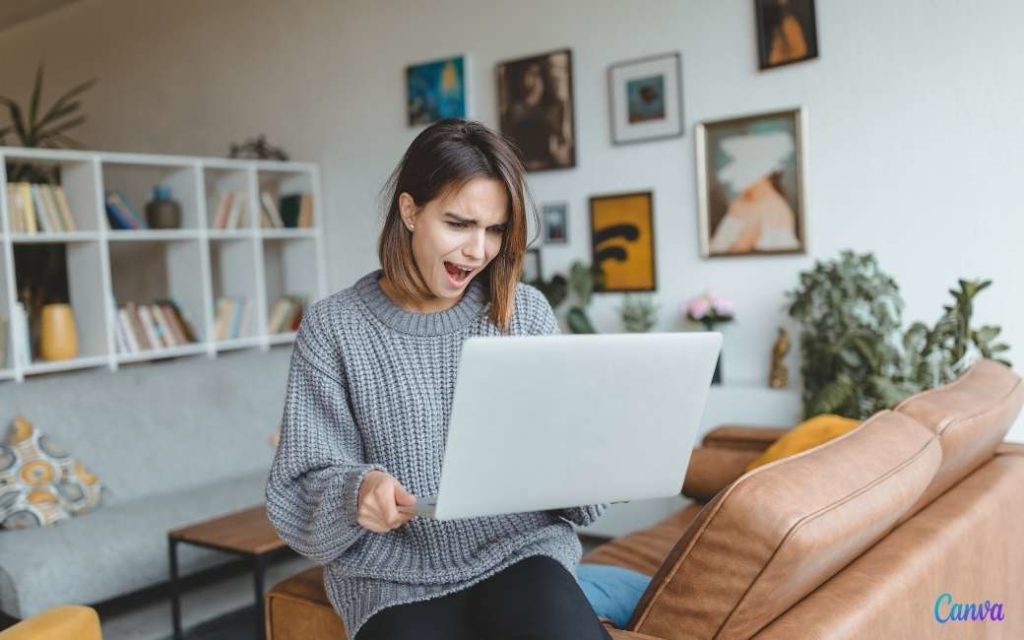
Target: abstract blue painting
x=436 y=90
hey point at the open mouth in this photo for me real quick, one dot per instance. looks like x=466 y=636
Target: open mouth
x=456 y=274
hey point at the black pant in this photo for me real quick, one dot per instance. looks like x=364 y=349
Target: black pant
x=535 y=599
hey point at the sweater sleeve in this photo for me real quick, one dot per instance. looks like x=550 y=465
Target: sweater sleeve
x=313 y=488
x=546 y=323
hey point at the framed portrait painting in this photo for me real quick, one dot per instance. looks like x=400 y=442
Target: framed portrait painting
x=646 y=98
x=556 y=222
x=750 y=184
x=535 y=109
x=787 y=32
x=622 y=240
x=436 y=90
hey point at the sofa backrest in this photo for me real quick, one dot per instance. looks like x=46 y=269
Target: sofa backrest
x=971 y=415
x=781 y=530
x=159 y=427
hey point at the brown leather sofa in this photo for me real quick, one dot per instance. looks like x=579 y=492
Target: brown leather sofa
x=857 y=538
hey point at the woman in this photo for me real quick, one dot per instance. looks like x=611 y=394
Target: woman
x=369 y=395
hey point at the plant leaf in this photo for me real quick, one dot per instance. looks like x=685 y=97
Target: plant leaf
x=56 y=114
x=67 y=97
x=61 y=128
x=37 y=91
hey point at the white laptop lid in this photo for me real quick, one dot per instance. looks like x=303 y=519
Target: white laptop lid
x=544 y=422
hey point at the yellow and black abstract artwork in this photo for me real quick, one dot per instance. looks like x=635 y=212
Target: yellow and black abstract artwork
x=622 y=240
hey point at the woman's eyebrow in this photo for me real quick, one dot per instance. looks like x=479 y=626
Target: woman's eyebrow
x=459 y=218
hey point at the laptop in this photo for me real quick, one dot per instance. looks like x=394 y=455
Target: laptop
x=546 y=422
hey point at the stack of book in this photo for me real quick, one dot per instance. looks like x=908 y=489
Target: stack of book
x=285 y=314
x=35 y=208
x=120 y=212
x=143 y=327
x=271 y=216
x=232 y=211
x=233 y=318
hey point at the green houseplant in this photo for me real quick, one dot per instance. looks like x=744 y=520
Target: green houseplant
x=855 y=360
x=34 y=127
x=582 y=281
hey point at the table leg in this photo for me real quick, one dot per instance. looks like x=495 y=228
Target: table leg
x=258 y=565
x=172 y=547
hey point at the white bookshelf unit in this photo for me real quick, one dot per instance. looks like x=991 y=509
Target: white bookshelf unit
x=194 y=265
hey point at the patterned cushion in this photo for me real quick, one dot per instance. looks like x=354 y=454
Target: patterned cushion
x=40 y=484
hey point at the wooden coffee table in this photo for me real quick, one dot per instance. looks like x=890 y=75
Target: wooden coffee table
x=247 y=533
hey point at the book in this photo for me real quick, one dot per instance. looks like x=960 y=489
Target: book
x=65 y=208
x=306 y=211
x=166 y=333
x=125 y=323
x=117 y=213
x=270 y=209
x=30 y=212
x=290 y=207
x=184 y=326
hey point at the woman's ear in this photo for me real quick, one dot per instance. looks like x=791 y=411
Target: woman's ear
x=407 y=209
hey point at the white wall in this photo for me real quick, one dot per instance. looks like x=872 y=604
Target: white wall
x=916 y=146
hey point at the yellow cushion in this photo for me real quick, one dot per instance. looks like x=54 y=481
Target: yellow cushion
x=806 y=435
x=57 y=623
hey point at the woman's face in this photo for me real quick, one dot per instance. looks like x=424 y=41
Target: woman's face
x=455 y=236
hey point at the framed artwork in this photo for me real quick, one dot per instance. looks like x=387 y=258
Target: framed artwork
x=435 y=90
x=531 y=266
x=556 y=222
x=535 y=109
x=787 y=32
x=622 y=240
x=750 y=184
x=646 y=98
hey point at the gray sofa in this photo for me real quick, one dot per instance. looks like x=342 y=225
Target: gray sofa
x=173 y=442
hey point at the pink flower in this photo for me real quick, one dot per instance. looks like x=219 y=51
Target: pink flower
x=698 y=308
x=721 y=306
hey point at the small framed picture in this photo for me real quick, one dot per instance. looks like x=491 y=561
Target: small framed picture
x=646 y=98
x=436 y=90
x=750 y=184
x=786 y=32
x=556 y=222
x=622 y=240
x=531 y=266
x=535 y=108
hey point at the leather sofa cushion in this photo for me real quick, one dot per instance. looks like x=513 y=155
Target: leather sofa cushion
x=971 y=415
x=783 y=529
x=645 y=550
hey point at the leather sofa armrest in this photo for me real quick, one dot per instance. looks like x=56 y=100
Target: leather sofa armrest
x=713 y=469
x=749 y=438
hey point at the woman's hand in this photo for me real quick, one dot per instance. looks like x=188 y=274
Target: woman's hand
x=380 y=495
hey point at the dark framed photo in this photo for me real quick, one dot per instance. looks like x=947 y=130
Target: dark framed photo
x=556 y=222
x=646 y=98
x=436 y=90
x=750 y=184
x=531 y=266
x=622 y=240
x=535 y=108
x=787 y=32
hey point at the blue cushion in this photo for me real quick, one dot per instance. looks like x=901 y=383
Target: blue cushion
x=613 y=592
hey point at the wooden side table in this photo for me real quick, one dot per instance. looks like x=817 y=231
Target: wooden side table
x=247 y=533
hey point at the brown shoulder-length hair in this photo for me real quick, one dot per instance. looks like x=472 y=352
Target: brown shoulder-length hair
x=443 y=158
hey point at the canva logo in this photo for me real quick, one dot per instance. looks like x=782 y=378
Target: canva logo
x=948 y=610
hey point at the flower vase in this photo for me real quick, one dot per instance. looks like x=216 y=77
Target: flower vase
x=717 y=377
x=58 y=339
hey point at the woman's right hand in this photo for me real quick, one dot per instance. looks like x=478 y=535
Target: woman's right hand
x=380 y=495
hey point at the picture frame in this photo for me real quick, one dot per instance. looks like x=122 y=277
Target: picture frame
x=436 y=90
x=531 y=266
x=536 y=109
x=646 y=98
x=787 y=32
x=750 y=184
x=555 y=219
x=622 y=241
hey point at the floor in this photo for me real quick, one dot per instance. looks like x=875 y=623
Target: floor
x=148 y=616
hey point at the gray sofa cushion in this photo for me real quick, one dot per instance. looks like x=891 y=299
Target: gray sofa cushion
x=115 y=550
x=156 y=427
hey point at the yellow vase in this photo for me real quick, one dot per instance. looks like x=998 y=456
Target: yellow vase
x=58 y=339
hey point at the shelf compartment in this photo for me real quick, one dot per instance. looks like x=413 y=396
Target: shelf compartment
x=65 y=272
x=287 y=183
x=289 y=270
x=136 y=181
x=236 y=213
x=77 y=176
x=234 y=274
x=145 y=272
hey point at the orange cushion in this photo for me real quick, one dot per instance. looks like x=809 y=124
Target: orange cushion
x=806 y=435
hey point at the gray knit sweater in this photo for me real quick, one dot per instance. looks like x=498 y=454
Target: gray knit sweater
x=371 y=387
